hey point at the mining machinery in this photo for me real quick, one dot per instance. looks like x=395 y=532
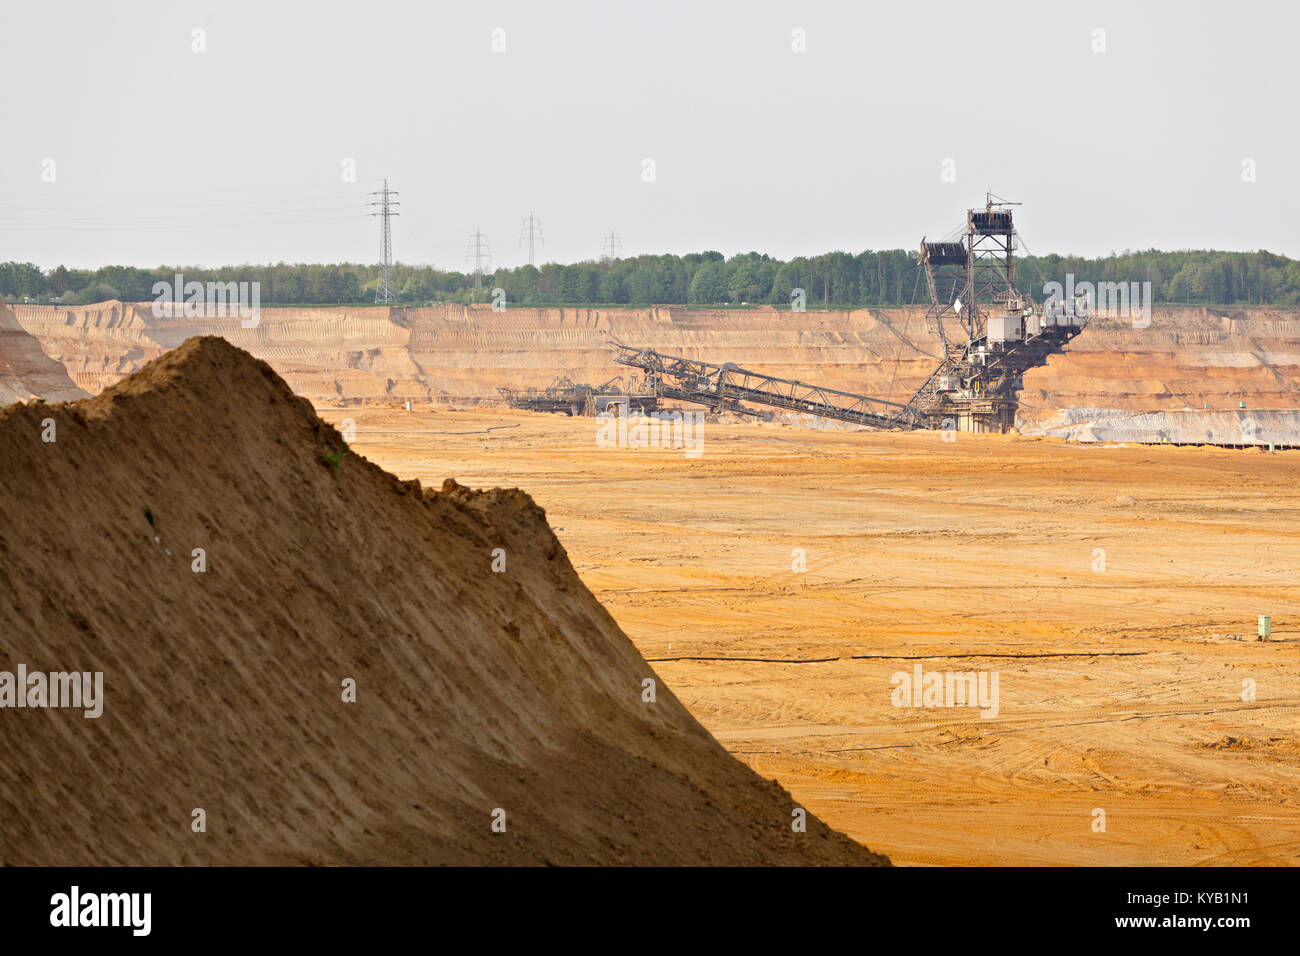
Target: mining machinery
x=991 y=334
x=721 y=387
x=565 y=397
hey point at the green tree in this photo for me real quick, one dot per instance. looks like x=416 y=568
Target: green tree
x=611 y=289
x=644 y=286
x=709 y=285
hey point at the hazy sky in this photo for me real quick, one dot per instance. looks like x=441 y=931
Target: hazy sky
x=165 y=155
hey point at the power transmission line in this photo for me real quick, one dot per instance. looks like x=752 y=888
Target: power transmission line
x=532 y=231
x=129 y=227
x=155 y=211
x=134 y=196
x=384 y=293
x=613 y=246
x=478 y=250
x=230 y=215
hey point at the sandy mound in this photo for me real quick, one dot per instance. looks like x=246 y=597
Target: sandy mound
x=475 y=690
x=26 y=371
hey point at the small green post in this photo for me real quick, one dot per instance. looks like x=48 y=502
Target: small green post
x=1265 y=626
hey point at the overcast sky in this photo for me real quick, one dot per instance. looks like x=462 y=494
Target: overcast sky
x=160 y=154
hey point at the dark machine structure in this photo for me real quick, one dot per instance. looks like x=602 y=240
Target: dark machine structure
x=720 y=387
x=991 y=335
x=990 y=331
x=566 y=397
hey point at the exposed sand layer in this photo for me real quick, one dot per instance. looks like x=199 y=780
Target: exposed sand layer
x=461 y=353
x=324 y=353
x=225 y=689
x=26 y=372
x=1105 y=585
x=1262 y=427
x=1186 y=358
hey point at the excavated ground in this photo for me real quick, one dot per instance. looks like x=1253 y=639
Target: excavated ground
x=193 y=535
x=1104 y=585
x=1115 y=577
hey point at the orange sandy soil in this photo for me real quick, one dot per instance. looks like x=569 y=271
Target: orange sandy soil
x=1119 y=689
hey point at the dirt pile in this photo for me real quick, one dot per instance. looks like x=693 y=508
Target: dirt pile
x=200 y=537
x=27 y=372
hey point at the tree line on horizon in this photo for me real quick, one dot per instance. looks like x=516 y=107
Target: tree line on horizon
x=830 y=280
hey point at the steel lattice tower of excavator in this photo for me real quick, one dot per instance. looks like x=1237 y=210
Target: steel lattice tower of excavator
x=384 y=294
x=998 y=333
x=994 y=334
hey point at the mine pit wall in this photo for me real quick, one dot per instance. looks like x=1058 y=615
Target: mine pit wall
x=1185 y=357
x=325 y=354
x=530 y=347
x=26 y=372
x=97 y=344
x=1241 y=428
x=441 y=352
